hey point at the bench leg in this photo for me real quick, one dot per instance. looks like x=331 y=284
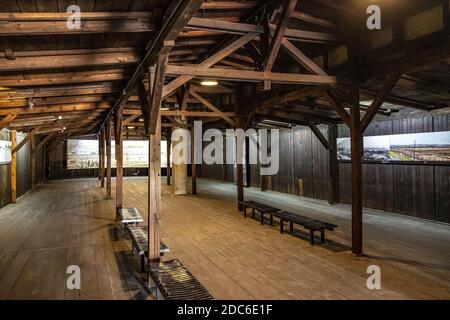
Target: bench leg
x=271 y=219
x=281 y=225
x=311 y=236
x=142 y=263
x=322 y=236
x=245 y=211
x=262 y=218
x=253 y=213
x=291 y=227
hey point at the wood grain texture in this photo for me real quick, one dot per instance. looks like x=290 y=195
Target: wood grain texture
x=233 y=257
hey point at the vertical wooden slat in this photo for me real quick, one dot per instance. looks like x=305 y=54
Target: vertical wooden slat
x=154 y=193
x=193 y=165
x=108 y=158
x=169 y=141
x=356 y=155
x=102 y=158
x=13 y=167
x=333 y=182
x=119 y=158
x=33 y=162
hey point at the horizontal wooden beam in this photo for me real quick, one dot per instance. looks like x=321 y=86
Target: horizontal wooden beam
x=14 y=24
x=248 y=76
x=60 y=78
x=172 y=86
x=179 y=113
x=64 y=59
x=223 y=26
x=309 y=36
x=57 y=108
x=312 y=19
x=228 y=5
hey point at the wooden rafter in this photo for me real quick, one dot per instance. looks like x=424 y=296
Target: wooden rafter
x=172 y=86
x=337 y=106
x=156 y=93
x=8 y=119
x=26 y=139
x=320 y=136
x=275 y=44
x=301 y=58
x=213 y=108
x=388 y=84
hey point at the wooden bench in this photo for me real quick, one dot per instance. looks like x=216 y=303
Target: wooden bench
x=262 y=208
x=129 y=216
x=175 y=282
x=139 y=243
x=312 y=225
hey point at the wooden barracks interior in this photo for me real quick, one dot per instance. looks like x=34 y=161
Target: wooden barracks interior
x=91 y=92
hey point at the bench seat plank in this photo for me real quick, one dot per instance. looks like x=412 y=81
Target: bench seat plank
x=308 y=223
x=260 y=207
x=139 y=239
x=130 y=215
x=175 y=282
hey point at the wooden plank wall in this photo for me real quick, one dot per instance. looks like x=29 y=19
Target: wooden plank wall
x=23 y=172
x=421 y=191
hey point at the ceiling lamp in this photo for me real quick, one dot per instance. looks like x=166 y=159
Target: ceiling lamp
x=209 y=83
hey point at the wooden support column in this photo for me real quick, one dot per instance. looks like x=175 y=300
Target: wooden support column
x=33 y=162
x=154 y=193
x=13 y=168
x=44 y=162
x=248 y=180
x=239 y=175
x=108 y=158
x=356 y=155
x=102 y=158
x=193 y=164
x=240 y=185
x=118 y=118
x=333 y=181
x=99 y=172
x=179 y=171
x=169 y=142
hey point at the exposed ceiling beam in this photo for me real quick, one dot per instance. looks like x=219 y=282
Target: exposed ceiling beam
x=213 y=108
x=172 y=86
x=247 y=75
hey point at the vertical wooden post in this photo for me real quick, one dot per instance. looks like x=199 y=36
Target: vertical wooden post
x=119 y=158
x=13 y=168
x=99 y=172
x=108 y=158
x=239 y=175
x=33 y=162
x=169 y=141
x=333 y=182
x=356 y=155
x=44 y=162
x=154 y=193
x=248 y=180
x=193 y=165
x=102 y=158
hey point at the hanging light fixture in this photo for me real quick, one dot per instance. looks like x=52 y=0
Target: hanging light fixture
x=209 y=83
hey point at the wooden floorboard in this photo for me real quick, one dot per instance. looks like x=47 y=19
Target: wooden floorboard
x=70 y=222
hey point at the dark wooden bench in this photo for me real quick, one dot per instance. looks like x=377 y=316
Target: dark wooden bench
x=260 y=207
x=175 y=282
x=313 y=225
x=139 y=243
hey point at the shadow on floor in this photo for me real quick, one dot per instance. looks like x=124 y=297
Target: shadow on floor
x=133 y=281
